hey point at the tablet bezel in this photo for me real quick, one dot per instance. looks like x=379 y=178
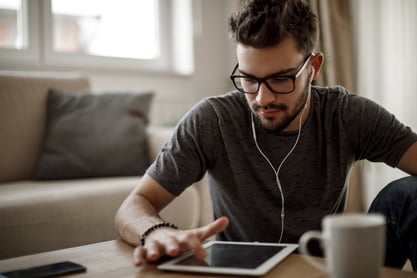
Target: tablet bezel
x=261 y=269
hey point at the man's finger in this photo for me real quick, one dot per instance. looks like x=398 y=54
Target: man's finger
x=171 y=246
x=212 y=229
x=139 y=255
x=153 y=251
x=190 y=241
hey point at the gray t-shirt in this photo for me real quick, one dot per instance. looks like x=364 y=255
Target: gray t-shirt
x=216 y=136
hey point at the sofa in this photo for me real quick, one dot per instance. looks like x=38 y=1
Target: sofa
x=43 y=214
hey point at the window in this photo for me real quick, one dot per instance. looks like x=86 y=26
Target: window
x=11 y=24
x=18 y=32
x=112 y=34
x=126 y=30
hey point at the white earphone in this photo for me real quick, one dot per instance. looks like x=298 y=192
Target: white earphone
x=276 y=171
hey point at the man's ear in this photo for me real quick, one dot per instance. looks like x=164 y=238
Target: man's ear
x=317 y=63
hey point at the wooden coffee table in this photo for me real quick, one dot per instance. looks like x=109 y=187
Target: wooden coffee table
x=114 y=259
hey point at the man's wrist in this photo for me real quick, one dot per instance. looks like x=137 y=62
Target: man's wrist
x=148 y=231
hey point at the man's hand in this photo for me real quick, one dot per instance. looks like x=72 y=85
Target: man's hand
x=167 y=241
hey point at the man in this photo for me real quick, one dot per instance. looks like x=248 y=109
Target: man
x=278 y=151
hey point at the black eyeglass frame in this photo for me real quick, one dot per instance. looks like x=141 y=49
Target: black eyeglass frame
x=273 y=76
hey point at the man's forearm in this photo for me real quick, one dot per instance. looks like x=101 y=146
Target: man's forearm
x=134 y=216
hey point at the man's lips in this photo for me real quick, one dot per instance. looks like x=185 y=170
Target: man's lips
x=270 y=113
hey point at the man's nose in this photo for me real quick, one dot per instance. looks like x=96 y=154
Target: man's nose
x=264 y=95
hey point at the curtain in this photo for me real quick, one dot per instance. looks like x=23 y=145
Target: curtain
x=337 y=44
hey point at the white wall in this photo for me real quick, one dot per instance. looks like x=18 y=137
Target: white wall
x=386 y=69
x=214 y=60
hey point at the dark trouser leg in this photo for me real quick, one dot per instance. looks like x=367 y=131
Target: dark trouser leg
x=398 y=202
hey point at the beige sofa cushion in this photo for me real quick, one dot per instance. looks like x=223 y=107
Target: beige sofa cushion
x=43 y=216
x=23 y=118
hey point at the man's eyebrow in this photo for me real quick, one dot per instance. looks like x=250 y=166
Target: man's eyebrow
x=278 y=73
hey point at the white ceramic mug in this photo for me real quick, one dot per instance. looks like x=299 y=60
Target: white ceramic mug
x=353 y=244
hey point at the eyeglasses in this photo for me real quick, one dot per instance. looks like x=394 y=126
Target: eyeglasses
x=278 y=84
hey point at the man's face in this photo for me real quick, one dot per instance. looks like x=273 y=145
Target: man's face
x=275 y=111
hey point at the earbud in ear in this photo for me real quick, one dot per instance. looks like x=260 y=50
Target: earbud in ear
x=312 y=75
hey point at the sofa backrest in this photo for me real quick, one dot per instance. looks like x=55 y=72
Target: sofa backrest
x=23 y=117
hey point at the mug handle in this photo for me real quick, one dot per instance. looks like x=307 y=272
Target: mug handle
x=304 y=240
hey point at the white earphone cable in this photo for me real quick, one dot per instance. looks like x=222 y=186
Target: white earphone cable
x=282 y=163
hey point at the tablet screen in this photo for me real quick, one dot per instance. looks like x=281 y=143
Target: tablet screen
x=236 y=256
x=233 y=258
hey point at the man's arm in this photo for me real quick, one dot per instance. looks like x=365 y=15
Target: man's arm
x=408 y=162
x=140 y=211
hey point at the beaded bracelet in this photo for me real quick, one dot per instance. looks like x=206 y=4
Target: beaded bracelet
x=155 y=227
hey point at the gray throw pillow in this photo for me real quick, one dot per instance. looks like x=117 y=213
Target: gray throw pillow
x=94 y=135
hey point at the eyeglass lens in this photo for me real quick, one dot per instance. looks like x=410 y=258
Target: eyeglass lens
x=276 y=84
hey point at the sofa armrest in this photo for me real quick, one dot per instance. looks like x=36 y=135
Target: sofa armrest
x=157 y=137
x=206 y=215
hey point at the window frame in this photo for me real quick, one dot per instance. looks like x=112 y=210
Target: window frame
x=176 y=15
x=30 y=52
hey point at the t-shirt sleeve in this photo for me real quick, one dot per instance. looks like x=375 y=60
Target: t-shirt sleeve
x=376 y=134
x=185 y=158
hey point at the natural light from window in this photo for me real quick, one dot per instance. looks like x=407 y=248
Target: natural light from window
x=11 y=24
x=139 y=35
x=112 y=28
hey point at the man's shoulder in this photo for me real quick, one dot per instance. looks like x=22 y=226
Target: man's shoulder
x=218 y=106
x=232 y=96
x=337 y=96
x=227 y=101
x=330 y=91
x=341 y=96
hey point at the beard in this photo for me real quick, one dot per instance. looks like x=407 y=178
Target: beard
x=288 y=116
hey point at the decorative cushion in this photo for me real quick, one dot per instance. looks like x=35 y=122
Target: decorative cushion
x=23 y=96
x=94 y=135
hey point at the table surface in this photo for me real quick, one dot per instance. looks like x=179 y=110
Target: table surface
x=114 y=259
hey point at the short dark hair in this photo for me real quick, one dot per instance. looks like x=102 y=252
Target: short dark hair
x=266 y=23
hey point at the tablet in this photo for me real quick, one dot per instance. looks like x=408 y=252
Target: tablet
x=234 y=258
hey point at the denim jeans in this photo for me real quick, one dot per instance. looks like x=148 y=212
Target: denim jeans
x=398 y=202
